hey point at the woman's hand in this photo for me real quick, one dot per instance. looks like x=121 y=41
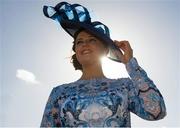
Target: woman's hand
x=127 y=50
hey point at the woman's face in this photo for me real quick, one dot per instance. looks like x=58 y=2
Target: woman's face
x=88 y=48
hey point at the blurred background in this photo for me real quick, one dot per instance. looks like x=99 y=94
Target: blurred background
x=35 y=54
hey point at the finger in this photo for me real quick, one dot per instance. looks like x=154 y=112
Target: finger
x=121 y=44
x=118 y=43
x=125 y=44
x=125 y=47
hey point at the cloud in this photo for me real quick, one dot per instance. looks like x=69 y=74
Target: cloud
x=26 y=76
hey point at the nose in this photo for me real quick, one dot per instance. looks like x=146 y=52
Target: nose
x=85 y=42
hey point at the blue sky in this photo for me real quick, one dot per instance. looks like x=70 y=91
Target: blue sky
x=35 y=53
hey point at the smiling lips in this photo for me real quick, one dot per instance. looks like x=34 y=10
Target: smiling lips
x=86 y=52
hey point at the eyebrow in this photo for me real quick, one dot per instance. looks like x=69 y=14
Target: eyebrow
x=82 y=38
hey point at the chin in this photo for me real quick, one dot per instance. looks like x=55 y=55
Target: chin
x=88 y=60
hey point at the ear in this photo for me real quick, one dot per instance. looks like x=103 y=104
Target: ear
x=106 y=51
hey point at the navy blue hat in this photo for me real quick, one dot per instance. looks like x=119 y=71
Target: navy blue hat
x=73 y=17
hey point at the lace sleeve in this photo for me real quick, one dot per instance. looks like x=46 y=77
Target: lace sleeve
x=145 y=100
x=51 y=113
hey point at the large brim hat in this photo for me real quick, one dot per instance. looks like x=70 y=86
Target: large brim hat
x=74 y=17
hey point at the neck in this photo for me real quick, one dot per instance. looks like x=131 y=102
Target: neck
x=92 y=71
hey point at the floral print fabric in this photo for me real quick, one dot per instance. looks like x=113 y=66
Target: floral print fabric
x=104 y=102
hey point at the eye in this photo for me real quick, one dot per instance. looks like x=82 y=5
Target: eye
x=92 y=40
x=79 y=42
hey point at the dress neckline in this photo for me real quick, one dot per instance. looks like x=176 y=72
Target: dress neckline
x=93 y=79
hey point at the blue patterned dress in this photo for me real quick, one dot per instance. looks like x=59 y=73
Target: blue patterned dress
x=104 y=102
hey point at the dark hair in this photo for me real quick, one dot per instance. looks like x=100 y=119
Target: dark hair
x=74 y=60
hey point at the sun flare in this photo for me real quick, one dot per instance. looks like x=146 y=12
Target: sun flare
x=113 y=69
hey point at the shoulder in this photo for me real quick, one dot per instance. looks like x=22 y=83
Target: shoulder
x=61 y=89
x=121 y=82
x=124 y=81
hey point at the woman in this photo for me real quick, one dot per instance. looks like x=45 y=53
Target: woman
x=97 y=101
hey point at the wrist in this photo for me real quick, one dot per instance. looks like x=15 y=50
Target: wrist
x=127 y=61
